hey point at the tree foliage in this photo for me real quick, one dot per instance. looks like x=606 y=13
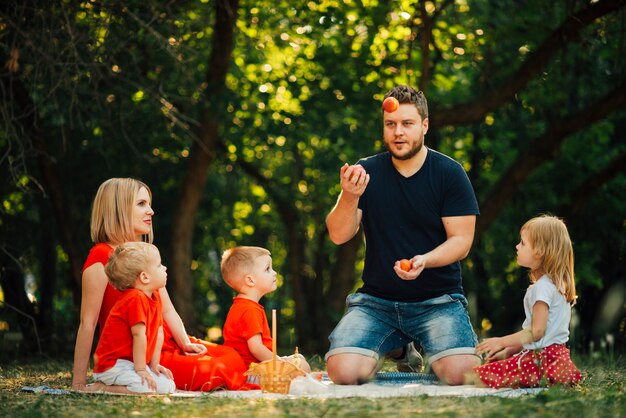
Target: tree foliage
x=239 y=114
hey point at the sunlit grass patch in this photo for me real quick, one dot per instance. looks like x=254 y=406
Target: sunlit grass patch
x=600 y=395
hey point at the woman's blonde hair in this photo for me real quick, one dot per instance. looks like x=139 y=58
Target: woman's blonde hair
x=127 y=262
x=238 y=261
x=112 y=211
x=550 y=240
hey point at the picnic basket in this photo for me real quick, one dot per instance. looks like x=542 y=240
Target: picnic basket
x=275 y=375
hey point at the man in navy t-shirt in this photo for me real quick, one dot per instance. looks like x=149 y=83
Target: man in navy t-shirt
x=413 y=203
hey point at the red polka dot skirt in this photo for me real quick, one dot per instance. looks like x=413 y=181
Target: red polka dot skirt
x=531 y=368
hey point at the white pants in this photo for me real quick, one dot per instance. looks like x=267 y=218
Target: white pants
x=123 y=374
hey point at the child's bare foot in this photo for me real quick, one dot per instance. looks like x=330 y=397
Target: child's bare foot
x=471 y=378
x=93 y=387
x=99 y=387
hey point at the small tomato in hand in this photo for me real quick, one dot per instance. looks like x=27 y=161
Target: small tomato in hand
x=405 y=265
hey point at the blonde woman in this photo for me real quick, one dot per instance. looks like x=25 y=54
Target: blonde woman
x=122 y=212
x=537 y=355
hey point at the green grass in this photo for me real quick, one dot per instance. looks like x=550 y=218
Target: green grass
x=600 y=395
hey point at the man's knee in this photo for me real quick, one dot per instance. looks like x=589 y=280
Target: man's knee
x=454 y=370
x=350 y=369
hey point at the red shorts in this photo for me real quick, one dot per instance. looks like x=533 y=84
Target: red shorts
x=531 y=368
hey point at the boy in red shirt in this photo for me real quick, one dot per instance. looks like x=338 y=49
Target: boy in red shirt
x=249 y=271
x=128 y=352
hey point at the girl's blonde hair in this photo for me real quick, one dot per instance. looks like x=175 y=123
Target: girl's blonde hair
x=112 y=211
x=238 y=261
x=550 y=240
x=127 y=262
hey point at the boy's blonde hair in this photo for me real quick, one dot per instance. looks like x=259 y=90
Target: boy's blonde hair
x=238 y=261
x=127 y=262
x=112 y=211
x=550 y=241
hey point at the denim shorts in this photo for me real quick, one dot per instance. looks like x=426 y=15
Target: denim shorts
x=373 y=327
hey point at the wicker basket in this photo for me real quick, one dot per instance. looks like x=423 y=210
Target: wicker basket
x=275 y=383
x=275 y=375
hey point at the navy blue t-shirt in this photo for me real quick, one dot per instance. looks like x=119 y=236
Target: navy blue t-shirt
x=402 y=218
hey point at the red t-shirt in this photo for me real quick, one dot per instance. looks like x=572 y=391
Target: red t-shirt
x=245 y=319
x=116 y=339
x=100 y=253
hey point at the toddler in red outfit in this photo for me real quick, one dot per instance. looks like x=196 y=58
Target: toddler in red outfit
x=129 y=349
x=248 y=270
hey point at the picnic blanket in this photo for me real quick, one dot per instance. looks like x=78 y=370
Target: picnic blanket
x=47 y=390
x=385 y=385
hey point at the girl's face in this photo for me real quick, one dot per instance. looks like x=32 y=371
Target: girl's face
x=142 y=213
x=526 y=256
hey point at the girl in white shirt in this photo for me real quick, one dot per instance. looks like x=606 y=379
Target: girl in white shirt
x=537 y=355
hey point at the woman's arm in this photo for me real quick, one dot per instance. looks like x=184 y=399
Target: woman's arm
x=258 y=350
x=94 y=282
x=492 y=346
x=176 y=326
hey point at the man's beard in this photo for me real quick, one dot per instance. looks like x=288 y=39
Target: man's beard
x=412 y=153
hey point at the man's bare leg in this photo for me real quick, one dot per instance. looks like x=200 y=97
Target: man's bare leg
x=454 y=370
x=351 y=369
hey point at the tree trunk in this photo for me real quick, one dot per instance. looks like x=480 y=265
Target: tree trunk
x=343 y=276
x=12 y=283
x=202 y=154
x=299 y=281
x=27 y=121
x=48 y=279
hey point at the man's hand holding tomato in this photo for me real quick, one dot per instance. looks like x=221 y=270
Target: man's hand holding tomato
x=354 y=180
x=416 y=266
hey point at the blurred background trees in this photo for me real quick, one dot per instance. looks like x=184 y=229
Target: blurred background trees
x=239 y=113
